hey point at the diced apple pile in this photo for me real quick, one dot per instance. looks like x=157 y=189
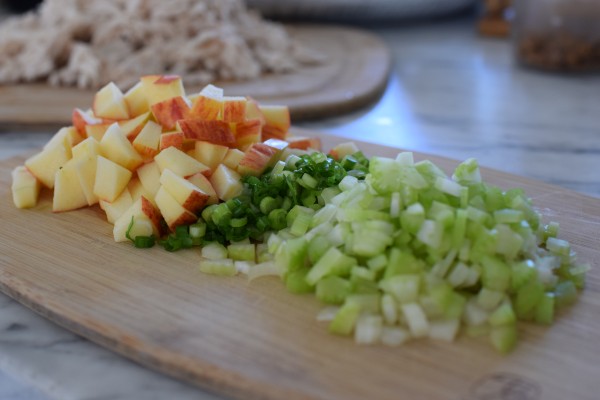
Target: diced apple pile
x=156 y=153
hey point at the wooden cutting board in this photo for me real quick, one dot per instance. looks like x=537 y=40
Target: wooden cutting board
x=354 y=73
x=256 y=341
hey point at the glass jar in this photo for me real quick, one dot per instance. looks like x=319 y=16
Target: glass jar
x=558 y=35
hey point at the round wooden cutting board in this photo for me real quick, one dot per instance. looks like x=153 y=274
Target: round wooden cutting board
x=354 y=73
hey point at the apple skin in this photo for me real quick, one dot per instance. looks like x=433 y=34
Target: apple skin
x=247 y=133
x=168 y=112
x=208 y=105
x=234 y=109
x=171 y=139
x=257 y=159
x=217 y=132
x=304 y=143
x=82 y=118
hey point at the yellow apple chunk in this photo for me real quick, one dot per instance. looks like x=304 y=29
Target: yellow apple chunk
x=118 y=207
x=147 y=141
x=226 y=182
x=233 y=158
x=253 y=111
x=141 y=209
x=137 y=190
x=136 y=100
x=173 y=212
x=109 y=103
x=201 y=182
x=68 y=134
x=68 y=194
x=161 y=87
x=149 y=176
x=304 y=143
x=132 y=127
x=85 y=156
x=247 y=133
x=179 y=162
x=117 y=148
x=25 y=188
x=97 y=131
x=89 y=147
x=111 y=179
x=186 y=193
x=44 y=165
x=209 y=154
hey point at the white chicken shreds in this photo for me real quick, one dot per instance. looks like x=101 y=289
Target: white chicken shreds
x=88 y=43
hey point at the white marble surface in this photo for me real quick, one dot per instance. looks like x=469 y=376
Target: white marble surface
x=452 y=93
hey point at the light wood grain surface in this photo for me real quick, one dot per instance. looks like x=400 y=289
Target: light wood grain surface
x=256 y=341
x=353 y=74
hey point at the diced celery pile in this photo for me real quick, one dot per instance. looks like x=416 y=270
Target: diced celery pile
x=409 y=252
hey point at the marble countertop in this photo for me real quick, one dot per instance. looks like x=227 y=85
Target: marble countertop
x=452 y=93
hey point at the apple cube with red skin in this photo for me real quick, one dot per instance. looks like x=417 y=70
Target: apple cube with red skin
x=68 y=194
x=136 y=101
x=158 y=88
x=169 y=111
x=147 y=141
x=257 y=159
x=232 y=158
x=247 y=133
x=25 y=188
x=115 y=146
x=173 y=212
x=109 y=103
x=277 y=122
x=234 y=109
x=132 y=127
x=208 y=105
x=171 y=139
x=186 y=193
x=201 y=182
x=209 y=154
x=111 y=179
x=304 y=143
x=146 y=221
x=44 y=164
x=226 y=182
x=82 y=118
x=217 y=132
x=118 y=207
x=179 y=162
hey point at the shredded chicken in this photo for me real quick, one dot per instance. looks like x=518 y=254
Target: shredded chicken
x=89 y=43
